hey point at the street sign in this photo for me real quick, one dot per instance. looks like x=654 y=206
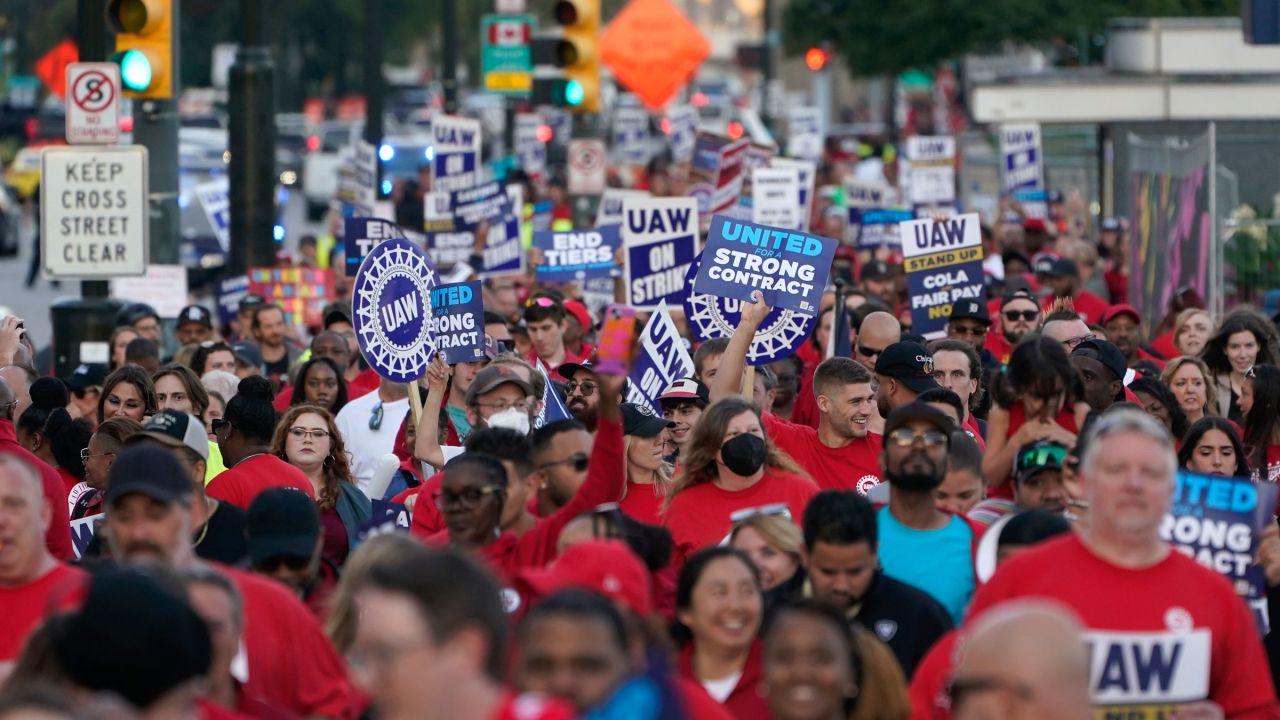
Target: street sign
x=510 y=7
x=649 y=35
x=506 y=60
x=94 y=211
x=586 y=167
x=93 y=103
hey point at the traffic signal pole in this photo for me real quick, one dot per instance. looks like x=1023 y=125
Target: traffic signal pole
x=252 y=140
x=374 y=84
x=94 y=43
x=449 y=69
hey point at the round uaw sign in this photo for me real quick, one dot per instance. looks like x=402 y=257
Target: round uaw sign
x=712 y=316
x=391 y=305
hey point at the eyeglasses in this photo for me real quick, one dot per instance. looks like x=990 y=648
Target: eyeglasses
x=219 y=425
x=588 y=389
x=85 y=454
x=377 y=659
x=500 y=407
x=579 y=463
x=904 y=437
x=970 y=330
x=1072 y=342
x=774 y=509
x=305 y=434
x=375 y=417
x=1027 y=315
x=960 y=688
x=865 y=351
x=467 y=499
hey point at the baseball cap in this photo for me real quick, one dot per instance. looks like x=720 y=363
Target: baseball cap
x=568 y=370
x=1123 y=309
x=133 y=312
x=970 y=310
x=687 y=389
x=1036 y=456
x=1062 y=267
x=1106 y=353
x=914 y=411
x=194 y=314
x=1027 y=527
x=250 y=301
x=282 y=522
x=876 y=270
x=641 y=421
x=1110 y=224
x=334 y=313
x=176 y=429
x=149 y=471
x=493 y=376
x=604 y=566
x=1018 y=294
x=1034 y=225
x=247 y=353
x=579 y=311
x=908 y=362
x=86 y=375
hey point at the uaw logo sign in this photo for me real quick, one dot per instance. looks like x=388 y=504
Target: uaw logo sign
x=713 y=316
x=391 y=305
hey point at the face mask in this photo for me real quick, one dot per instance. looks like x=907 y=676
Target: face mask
x=743 y=454
x=512 y=418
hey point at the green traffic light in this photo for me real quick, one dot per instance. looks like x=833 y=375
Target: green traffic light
x=135 y=70
x=574 y=93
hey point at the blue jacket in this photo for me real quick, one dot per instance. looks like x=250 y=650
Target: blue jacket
x=354 y=509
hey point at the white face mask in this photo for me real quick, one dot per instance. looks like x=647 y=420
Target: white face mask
x=512 y=418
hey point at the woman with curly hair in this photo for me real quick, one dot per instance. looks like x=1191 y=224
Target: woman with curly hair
x=307 y=438
x=1244 y=338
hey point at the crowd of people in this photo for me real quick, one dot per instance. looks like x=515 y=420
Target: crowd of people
x=965 y=526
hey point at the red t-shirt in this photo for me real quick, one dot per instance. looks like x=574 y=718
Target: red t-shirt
x=643 y=502
x=1017 y=417
x=1161 y=636
x=971 y=425
x=26 y=606
x=68 y=480
x=805 y=410
x=292 y=665
x=928 y=686
x=239 y=485
x=699 y=515
x=58 y=537
x=554 y=372
x=1271 y=473
x=855 y=466
x=365 y=383
x=745 y=701
x=998 y=344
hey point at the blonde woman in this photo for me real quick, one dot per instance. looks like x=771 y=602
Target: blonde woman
x=1192 y=330
x=1188 y=378
x=775 y=546
x=648 y=474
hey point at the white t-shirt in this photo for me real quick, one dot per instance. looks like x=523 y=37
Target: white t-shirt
x=722 y=688
x=367 y=446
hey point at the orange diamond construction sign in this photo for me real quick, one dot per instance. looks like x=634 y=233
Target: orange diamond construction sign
x=653 y=50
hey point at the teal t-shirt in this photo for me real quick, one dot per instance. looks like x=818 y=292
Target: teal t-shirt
x=459 y=418
x=939 y=562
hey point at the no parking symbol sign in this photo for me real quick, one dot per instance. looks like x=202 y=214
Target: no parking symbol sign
x=93 y=107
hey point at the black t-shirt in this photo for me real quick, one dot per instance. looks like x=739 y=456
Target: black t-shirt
x=223 y=539
x=903 y=617
x=278 y=371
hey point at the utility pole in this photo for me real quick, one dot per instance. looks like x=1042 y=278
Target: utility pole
x=449 y=66
x=374 y=85
x=92 y=39
x=252 y=140
x=766 y=65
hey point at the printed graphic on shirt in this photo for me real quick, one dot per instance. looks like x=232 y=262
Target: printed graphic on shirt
x=1137 y=675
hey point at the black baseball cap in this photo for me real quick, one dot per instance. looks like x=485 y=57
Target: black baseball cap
x=1104 y=352
x=1057 y=267
x=1018 y=294
x=970 y=310
x=568 y=370
x=876 y=270
x=910 y=363
x=1110 y=224
x=247 y=353
x=641 y=421
x=86 y=375
x=251 y=301
x=913 y=411
x=195 y=314
x=133 y=312
x=282 y=522
x=1036 y=456
x=149 y=471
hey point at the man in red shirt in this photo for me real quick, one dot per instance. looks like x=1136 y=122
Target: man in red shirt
x=545 y=319
x=57 y=532
x=842 y=453
x=291 y=663
x=1019 y=315
x=1124 y=329
x=1062 y=275
x=32 y=583
x=244 y=437
x=1181 y=639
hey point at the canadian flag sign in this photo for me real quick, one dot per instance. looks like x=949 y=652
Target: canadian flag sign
x=509 y=33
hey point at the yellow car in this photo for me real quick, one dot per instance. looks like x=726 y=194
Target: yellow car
x=23 y=174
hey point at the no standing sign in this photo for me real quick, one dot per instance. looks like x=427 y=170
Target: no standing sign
x=93 y=103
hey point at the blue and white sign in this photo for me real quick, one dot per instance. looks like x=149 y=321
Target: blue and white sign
x=860 y=196
x=457 y=147
x=387 y=517
x=805 y=170
x=790 y=268
x=1021 y=166
x=362 y=234
x=231 y=290
x=804 y=132
x=943 y=260
x=711 y=316
x=931 y=170
x=578 y=254
x=661 y=238
x=531 y=153
x=1035 y=203
x=630 y=136
x=662 y=359
x=879 y=227
x=553 y=408
x=457 y=321
x=391 y=304
x=682 y=124
x=450 y=248
x=503 y=252
x=609 y=212
x=482 y=203
x=215 y=199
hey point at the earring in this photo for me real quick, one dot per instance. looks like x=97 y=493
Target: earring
x=328 y=461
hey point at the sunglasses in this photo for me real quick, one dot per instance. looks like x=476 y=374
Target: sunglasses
x=1250 y=373
x=543 y=302
x=375 y=417
x=1043 y=456
x=1027 y=315
x=579 y=463
x=970 y=330
x=865 y=351
x=588 y=389
x=774 y=509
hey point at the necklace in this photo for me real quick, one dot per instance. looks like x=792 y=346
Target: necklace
x=211 y=509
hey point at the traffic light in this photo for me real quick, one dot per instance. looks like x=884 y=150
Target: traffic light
x=574 y=54
x=815 y=58
x=145 y=48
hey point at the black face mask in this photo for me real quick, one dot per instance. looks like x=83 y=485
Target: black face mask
x=743 y=454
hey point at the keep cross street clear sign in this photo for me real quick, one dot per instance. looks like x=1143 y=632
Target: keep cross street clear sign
x=93 y=211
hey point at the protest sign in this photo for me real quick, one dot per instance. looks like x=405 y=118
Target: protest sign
x=775 y=197
x=682 y=129
x=609 y=211
x=457 y=321
x=361 y=234
x=163 y=287
x=481 y=203
x=1021 y=165
x=757 y=156
x=457 y=148
x=860 y=196
x=553 y=408
x=804 y=132
x=661 y=238
x=357 y=177
x=449 y=249
x=943 y=260
x=578 y=254
x=715 y=178
x=1035 y=203
x=806 y=170
x=879 y=227
x=1218 y=522
x=661 y=360
x=83 y=531
x=790 y=268
x=931 y=172
x=391 y=304
x=711 y=316
x=301 y=292
x=503 y=252
x=530 y=151
x=215 y=199
x=231 y=290
x=630 y=136
x=387 y=517
x=541 y=217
